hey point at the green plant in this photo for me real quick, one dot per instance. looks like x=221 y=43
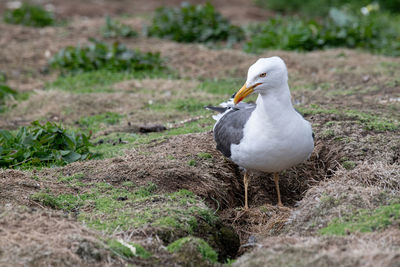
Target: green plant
x=42 y=145
x=29 y=15
x=375 y=32
x=99 y=55
x=193 y=23
x=114 y=28
x=192 y=162
x=321 y=7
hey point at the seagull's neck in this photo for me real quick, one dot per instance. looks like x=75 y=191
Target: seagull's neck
x=275 y=103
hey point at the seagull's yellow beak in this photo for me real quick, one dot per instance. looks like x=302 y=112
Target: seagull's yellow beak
x=243 y=92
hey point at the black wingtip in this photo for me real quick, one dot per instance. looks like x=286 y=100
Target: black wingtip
x=217 y=109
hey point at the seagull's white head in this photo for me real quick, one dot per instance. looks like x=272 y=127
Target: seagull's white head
x=264 y=75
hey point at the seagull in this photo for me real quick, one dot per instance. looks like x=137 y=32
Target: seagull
x=269 y=136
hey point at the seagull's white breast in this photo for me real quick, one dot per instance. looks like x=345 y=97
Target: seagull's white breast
x=273 y=144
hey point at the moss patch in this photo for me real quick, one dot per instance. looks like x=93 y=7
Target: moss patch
x=364 y=221
x=107 y=208
x=128 y=250
x=188 y=245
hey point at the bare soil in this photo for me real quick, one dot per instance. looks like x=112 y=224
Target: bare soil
x=31 y=234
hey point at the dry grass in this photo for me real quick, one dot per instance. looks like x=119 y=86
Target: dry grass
x=373 y=249
x=337 y=197
x=31 y=237
x=379 y=174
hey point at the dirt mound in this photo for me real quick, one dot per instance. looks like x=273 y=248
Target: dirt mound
x=41 y=238
x=373 y=249
x=335 y=198
x=180 y=162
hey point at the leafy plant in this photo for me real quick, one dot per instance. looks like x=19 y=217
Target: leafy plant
x=376 y=33
x=114 y=28
x=321 y=7
x=29 y=15
x=99 y=55
x=193 y=23
x=42 y=145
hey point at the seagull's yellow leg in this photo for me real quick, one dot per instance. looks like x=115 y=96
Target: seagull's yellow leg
x=276 y=179
x=246 y=184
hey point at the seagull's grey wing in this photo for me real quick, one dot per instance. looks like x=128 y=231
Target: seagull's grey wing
x=229 y=129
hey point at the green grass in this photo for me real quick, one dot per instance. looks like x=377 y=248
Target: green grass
x=96 y=122
x=191 y=105
x=207 y=252
x=68 y=179
x=364 y=221
x=369 y=121
x=222 y=87
x=192 y=163
x=107 y=208
x=204 y=155
x=101 y=80
x=107 y=149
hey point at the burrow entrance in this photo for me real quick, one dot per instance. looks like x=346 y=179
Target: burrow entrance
x=220 y=182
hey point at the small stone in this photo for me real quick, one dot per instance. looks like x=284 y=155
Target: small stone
x=365 y=78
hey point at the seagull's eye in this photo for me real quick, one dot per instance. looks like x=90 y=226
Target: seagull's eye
x=263 y=75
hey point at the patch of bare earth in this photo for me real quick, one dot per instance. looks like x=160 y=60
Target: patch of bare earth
x=132 y=98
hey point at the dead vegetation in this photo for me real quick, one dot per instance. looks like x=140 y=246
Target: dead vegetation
x=370 y=249
x=36 y=237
